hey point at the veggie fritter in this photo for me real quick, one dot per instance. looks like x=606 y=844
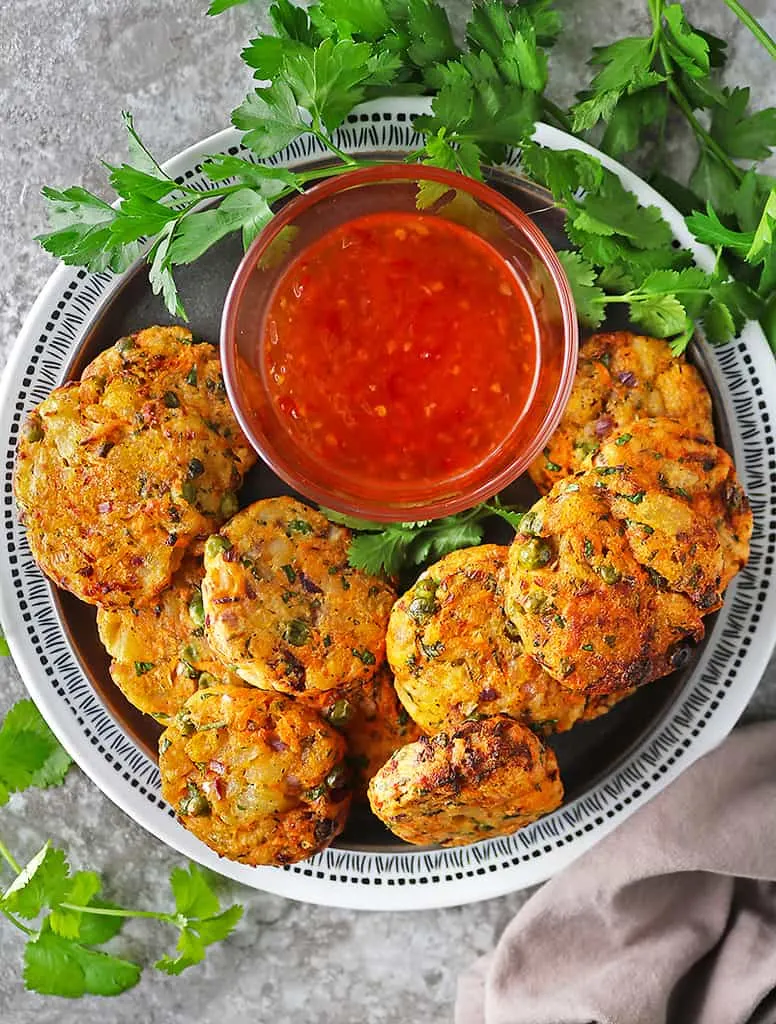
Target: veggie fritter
x=284 y=607
x=621 y=377
x=488 y=779
x=587 y=610
x=694 y=522
x=160 y=654
x=455 y=654
x=118 y=473
x=257 y=776
x=373 y=722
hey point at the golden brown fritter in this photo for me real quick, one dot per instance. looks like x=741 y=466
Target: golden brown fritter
x=621 y=378
x=373 y=722
x=456 y=655
x=160 y=654
x=284 y=607
x=117 y=474
x=257 y=776
x=691 y=521
x=488 y=779
x=593 y=616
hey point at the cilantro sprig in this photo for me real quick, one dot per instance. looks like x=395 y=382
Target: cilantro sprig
x=62 y=913
x=392 y=548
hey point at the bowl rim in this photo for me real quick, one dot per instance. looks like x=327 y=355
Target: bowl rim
x=487 y=485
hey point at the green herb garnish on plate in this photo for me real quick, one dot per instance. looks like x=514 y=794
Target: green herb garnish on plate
x=486 y=97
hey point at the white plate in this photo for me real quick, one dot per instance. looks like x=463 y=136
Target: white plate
x=729 y=669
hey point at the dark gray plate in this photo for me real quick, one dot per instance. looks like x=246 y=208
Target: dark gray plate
x=587 y=753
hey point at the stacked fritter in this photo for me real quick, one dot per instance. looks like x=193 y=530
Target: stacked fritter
x=290 y=682
x=642 y=526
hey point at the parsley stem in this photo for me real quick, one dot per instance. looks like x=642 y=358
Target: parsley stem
x=702 y=135
x=15 y=921
x=754 y=26
x=157 y=915
x=558 y=115
x=324 y=138
x=8 y=857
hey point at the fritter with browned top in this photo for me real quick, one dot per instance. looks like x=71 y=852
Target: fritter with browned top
x=587 y=610
x=488 y=779
x=621 y=378
x=686 y=515
x=455 y=654
x=118 y=473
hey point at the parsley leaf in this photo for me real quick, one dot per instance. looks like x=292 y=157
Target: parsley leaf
x=30 y=754
x=742 y=135
x=270 y=119
x=244 y=210
x=708 y=228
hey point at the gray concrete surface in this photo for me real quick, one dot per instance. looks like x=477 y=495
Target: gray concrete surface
x=66 y=70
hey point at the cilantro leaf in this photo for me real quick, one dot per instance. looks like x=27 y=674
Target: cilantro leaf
x=633 y=113
x=441 y=538
x=197 y=905
x=474 y=105
x=192 y=892
x=660 y=314
x=128 y=180
x=613 y=210
x=30 y=754
x=56 y=966
x=270 y=119
x=80 y=890
x=42 y=882
x=589 y=299
x=266 y=53
x=80 y=232
x=380 y=552
x=5 y=650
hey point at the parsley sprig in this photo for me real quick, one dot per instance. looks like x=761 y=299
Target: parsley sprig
x=394 y=547
x=62 y=914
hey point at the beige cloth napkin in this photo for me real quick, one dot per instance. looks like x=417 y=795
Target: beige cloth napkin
x=671 y=919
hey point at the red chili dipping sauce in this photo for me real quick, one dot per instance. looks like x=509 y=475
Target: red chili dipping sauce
x=400 y=346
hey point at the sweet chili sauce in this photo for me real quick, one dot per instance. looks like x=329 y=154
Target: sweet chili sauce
x=400 y=346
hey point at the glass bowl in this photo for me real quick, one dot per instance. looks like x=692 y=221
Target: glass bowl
x=393 y=188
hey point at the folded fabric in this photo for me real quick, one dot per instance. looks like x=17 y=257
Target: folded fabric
x=671 y=919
